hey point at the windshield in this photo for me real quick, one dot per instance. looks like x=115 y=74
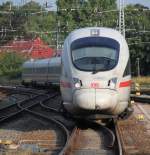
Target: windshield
x=88 y=57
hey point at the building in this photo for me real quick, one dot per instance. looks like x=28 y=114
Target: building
x=35 y=49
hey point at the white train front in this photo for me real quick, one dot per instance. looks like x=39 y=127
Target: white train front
x=95 y=72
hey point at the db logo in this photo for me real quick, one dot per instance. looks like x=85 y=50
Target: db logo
x=95 y=85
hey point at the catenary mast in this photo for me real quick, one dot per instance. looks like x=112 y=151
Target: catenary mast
x=121 y=18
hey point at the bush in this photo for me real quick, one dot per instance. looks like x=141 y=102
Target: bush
x=11 y=64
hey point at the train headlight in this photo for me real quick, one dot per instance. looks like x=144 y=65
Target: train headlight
x=77 y=83
x=112 y=83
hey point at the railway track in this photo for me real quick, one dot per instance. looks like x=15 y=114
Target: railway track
x=32 y=133
x=14 y=108
x=21 y=89
x=135 y=131
x=92 y=139
x=32 y=95
x=97 y=131
x=59 y=136
x=22 y=115
x=38 y=107
x=141 y=98
x=33 y=99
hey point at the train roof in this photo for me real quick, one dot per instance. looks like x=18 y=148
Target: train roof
x=97 y=32
x=42 y=62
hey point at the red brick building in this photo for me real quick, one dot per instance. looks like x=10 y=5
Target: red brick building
x=35 y=49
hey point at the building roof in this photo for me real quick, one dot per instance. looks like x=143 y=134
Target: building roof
x=33 y=48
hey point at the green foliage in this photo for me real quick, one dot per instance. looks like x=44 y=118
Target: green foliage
x=84 y=13
x=28 y=21
x=10 y=64
x=73 y=14
x=32 y=20
x=139 y=41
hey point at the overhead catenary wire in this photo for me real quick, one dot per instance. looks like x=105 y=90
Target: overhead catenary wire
x=4 y=31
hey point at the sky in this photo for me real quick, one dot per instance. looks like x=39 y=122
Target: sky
x=144 y=2
x=52 y=2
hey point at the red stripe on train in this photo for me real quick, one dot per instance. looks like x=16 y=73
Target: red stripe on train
x=125 y=83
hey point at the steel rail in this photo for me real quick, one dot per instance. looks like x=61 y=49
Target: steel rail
x=6 y=109
x=141 y=98
x=111 y=135
x=53 y=119
x=19 y=89
x=118 y=139
x=49 y=108
x=25 y=104
x=108 y=131
x=24 y=108
x=19 y=108
x=70 y=142
x=69 y=139
x=33 y=94
x=68 y=148
x=61 y=125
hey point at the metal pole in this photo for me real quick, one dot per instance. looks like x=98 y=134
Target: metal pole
x=57 y=33
x=58 y=24
x=121 y=17
x=138 y=66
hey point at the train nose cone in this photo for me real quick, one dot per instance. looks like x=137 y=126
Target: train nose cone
x=106 y=99
x=90 y=99
x=84 y=99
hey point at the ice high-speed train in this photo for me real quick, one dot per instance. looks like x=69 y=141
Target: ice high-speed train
x=44 y=71
x=95 y=72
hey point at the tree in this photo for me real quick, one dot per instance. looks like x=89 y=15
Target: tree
x=138 y=20
x=76 y=14
x=73 y=14
x=11 y=64
x=32 y=20
x=27 y=21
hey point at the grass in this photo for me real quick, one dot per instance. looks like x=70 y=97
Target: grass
x=143 y=80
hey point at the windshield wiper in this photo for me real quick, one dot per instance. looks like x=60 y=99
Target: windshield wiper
x=94 y=65
x=94 y=71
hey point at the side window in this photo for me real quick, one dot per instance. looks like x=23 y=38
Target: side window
x=43 y=70
x=38 y=70
x=127 y=69
x=50 y=69
x=58 y=70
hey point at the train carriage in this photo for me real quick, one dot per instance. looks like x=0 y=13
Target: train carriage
x=95 y=72
x=44 y=71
